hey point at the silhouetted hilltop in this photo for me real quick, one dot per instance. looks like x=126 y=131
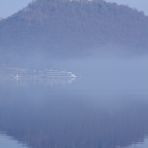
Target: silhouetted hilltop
x=73 y=27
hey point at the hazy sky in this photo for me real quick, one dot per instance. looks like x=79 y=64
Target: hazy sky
x=8 y=7
x=139 y=4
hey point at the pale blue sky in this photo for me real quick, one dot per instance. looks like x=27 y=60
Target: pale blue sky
x=8 y=7
x=141 y=5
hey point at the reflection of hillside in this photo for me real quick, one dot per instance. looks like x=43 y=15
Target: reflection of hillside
x=59 y=121
x=7 y=142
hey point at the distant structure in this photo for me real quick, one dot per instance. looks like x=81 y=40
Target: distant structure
x=46 y=76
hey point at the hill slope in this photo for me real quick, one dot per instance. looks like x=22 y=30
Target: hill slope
x=73 y=27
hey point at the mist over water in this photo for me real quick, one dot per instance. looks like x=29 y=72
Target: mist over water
x=73 y=74
x=113 y=74
x=106 y=106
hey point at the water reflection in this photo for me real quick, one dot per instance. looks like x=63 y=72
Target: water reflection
x=82 y=115
x=42 y=118
x=9 y=142
x=143 y=144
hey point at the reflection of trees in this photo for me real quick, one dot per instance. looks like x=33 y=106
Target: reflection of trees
x=81 y=122
x=7 y=141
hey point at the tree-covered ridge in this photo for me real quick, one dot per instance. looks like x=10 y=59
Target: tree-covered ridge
x=74 y=27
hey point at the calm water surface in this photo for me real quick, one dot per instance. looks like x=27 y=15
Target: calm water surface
x=100 y=109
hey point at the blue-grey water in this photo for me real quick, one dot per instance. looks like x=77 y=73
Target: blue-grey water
x=106 y=106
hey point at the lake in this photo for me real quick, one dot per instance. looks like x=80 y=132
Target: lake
x=106 y=106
